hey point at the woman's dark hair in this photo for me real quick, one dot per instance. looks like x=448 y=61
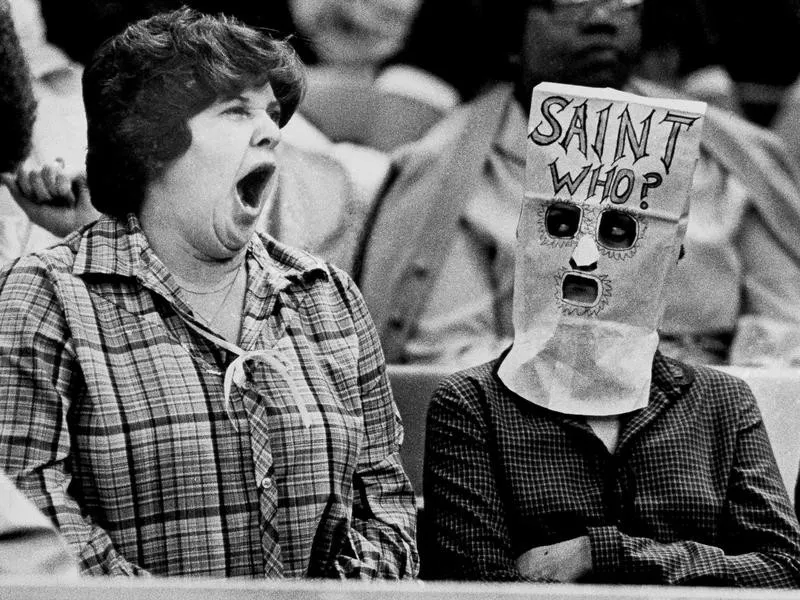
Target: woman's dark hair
x=143 y=85
x=17 y=103
x=468 y=43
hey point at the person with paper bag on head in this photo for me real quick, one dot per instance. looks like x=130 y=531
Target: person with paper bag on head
x=592 y=457
x=464 y=182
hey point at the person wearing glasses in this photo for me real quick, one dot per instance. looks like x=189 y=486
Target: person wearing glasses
x=737 y=285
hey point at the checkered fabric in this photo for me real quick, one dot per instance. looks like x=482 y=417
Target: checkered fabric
x=692 y=494
x=113 y=418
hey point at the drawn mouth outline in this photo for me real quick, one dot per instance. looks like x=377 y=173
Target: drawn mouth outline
x=581 y=289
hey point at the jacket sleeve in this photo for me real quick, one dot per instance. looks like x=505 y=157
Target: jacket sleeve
x=470 y=537
x=760 y=536
x=381 y=542
x=41 y=379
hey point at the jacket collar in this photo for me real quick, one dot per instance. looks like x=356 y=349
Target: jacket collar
x=670 y=382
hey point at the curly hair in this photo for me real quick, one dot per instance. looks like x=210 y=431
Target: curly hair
x=17 y=103
x=143 y=85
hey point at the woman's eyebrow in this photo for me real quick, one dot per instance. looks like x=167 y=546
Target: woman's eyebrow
x=233 y=99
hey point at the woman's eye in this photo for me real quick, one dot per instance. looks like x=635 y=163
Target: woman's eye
x=238 y=111
x=274 y=113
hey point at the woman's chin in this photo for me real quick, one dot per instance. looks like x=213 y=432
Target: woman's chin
x=233 y=239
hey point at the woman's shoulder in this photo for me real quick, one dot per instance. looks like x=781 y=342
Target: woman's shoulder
x=59 y=257
x=310 y=272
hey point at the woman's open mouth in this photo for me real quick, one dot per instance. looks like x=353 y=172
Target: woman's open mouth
x=251 y=187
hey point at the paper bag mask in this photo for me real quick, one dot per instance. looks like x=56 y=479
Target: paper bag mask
x=606 y=204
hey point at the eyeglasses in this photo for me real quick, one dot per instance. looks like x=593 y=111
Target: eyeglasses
x=579 y=11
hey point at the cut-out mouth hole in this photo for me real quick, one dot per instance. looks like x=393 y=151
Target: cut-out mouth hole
x=251 y=186
x=580 y=290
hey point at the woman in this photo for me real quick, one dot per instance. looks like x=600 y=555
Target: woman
x=182 y=395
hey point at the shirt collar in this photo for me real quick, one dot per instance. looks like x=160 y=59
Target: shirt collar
x=670 y=376
x=119 y=247
x=283 y=267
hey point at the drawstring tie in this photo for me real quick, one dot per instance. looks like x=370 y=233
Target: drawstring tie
x=235 y=374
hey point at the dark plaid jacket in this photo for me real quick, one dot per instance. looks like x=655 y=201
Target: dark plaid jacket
x=692 y=494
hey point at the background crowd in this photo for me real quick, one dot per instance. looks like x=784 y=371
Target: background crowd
x=400 y=170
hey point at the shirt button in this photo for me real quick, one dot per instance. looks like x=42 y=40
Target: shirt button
x=266 y=482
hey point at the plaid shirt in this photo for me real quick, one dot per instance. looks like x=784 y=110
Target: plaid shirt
x=692 y=494
x=113 y=418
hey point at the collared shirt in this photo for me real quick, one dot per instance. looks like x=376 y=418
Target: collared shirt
x=691 y=495
x=113 y=418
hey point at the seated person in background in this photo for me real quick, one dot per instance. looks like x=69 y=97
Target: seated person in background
x=182 y=395
x=360 y=90
x=681 y=49
x=786 y=123
x=583 y=453
x=17 y=118
x=742 y=264
x=17 y=102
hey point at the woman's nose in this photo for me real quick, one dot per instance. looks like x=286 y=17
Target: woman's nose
x=266 y=133
x=585 y=255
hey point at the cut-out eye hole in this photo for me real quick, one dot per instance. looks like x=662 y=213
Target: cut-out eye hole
x=562 y=220
x=617 y=230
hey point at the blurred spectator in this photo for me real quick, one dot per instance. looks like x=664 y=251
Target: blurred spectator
x=346 y=42
x=680 y=49
x=454 y=304
x=353 y=94
x=18 y=115
x=759 y=45
x=754 y=50
x=60 y=129
x=17 y=103
x=787 y=121
x=80 y=26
